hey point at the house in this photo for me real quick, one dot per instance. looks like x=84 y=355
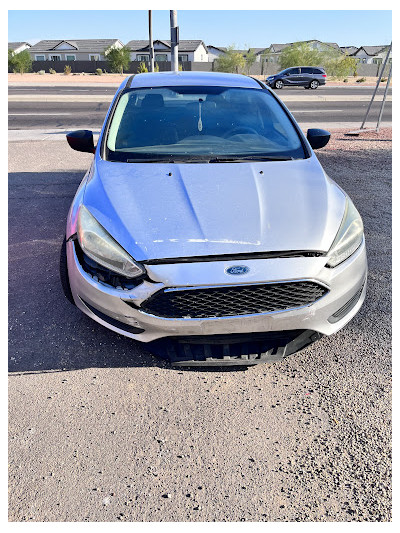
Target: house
x=72 y=50
x=372 y=54
x=16 y=48
x=214 y=52
x=349 y=50
x=187 y=51
x=274 y=51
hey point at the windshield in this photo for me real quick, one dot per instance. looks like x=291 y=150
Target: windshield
x=200 y=123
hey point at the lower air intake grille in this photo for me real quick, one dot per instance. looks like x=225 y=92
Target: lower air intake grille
x=233 y=300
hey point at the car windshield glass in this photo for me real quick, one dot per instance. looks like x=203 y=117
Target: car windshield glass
x=200 y=123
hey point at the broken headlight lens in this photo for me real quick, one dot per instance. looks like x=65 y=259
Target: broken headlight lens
x=349 y=236
x=98 y=244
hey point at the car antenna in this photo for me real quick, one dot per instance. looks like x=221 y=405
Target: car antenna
x=200 y=122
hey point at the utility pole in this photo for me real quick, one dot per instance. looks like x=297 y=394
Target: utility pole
x=174 y=40
x=151 y=47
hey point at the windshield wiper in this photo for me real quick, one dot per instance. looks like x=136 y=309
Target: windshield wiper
x=145 y=160
x=249 y=158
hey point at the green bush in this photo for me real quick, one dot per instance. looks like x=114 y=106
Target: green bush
x=361 y=80
x=67 y=69
x=99 y=72
x=118 y=58
x=41 y=72
x=20 y=62
x=142 y=68
x=231 y=61
x=52 y=71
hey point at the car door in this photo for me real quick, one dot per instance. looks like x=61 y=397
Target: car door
x=306 y=75
x=292 y=76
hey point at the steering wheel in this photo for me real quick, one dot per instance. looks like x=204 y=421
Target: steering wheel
x=240 y=129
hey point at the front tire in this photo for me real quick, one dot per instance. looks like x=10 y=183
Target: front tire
x=278 y=84
x=64 y=273
x=314 y=84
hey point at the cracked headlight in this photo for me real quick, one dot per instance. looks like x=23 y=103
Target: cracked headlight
x=98 y=244
x=349 y=236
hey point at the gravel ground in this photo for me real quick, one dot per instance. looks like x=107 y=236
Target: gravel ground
x=100 y=430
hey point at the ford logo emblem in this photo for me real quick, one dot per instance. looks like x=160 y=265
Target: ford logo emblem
x=237 y=270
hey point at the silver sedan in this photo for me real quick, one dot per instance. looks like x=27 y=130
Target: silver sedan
x=206 y=219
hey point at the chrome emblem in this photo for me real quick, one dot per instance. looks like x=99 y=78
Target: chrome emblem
x=237 y=270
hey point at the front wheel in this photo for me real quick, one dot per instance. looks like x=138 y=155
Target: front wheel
x=314 y=84
x=64 y=273
x=278 y=84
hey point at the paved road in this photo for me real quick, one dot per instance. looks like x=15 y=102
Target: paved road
x=90 y=115
x=110 y=89
x=100 y=430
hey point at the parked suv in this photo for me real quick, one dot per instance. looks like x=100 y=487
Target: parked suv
x=308 y=77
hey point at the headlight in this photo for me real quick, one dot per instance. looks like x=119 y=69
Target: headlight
x=349 y=236
x=98 y=244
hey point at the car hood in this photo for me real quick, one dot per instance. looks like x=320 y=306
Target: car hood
x=181 y=210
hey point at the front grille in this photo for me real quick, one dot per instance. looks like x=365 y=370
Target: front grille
x=233 y=300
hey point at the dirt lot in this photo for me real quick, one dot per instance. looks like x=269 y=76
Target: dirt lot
x=100 y=430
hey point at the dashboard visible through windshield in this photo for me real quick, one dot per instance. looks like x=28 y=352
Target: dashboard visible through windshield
x=189 y=124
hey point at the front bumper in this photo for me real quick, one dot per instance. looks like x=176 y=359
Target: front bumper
x=109 y=307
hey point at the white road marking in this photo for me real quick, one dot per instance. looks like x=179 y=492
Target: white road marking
x=37 y=114
x=317 y=110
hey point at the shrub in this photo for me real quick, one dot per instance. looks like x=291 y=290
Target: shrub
x=142 y=68
x=41 y=72
x=67 y=69
x=345 y=80
x=20 y=62
x=118 y=58
x=156 y=68
x=52 y=71
x=361 y=80
x=99 y=72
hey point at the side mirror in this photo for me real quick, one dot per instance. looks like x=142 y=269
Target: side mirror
x=318 y=138
x=81 y=140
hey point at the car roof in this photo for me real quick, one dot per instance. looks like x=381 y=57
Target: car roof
x=303 y=66
x=170 y=78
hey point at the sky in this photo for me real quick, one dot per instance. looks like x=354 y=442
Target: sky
x=244 y=29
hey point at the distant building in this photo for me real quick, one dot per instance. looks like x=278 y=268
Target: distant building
x=214 y=52
x=193 y=51
x=349 y=50
x=72 y=50
x=18 y=47
x=372 y=54
x=274 y=51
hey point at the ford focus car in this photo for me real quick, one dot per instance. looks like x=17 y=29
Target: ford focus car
x=206 y=226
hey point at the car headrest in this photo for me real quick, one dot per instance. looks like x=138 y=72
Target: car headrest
x=153 y=101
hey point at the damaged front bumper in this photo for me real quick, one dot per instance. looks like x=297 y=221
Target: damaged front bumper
x=120 y=309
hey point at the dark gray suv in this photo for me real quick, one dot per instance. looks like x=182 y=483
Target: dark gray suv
x=307 y=77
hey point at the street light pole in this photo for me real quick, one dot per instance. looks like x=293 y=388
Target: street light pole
x=174 y=39
x=151 y=48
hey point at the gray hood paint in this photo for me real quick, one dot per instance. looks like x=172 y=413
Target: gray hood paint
x=212 y=209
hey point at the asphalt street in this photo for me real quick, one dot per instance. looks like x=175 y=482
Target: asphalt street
x=69 y=115
x=62 y=107
x=110 y=88
x=101 y=430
